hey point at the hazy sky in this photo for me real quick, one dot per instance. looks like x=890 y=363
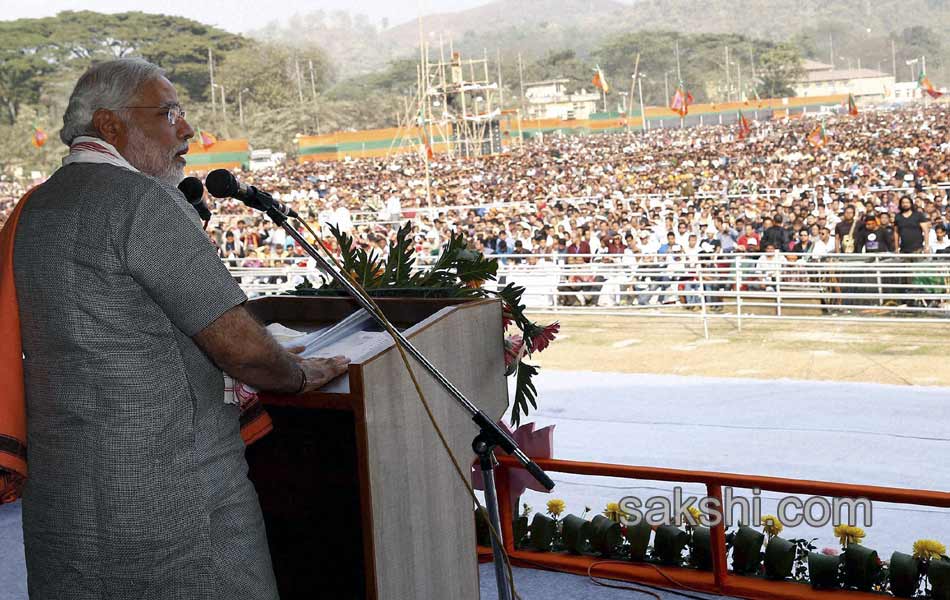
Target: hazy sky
x=237 y=15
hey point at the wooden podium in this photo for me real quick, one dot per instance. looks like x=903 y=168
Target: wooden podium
x=359 y=497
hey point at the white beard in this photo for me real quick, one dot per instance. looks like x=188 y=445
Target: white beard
x=148 y=158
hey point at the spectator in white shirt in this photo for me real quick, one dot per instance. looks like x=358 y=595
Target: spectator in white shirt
x=824 y=244
x=940 y=240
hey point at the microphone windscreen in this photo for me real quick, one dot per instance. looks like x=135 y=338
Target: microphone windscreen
x=221 y=183
x=192 y=188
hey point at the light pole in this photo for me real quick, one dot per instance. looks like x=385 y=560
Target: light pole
x=241 y=106
x=224 y=101
x=913 y=70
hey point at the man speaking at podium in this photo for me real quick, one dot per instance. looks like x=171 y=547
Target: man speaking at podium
x=137 y=484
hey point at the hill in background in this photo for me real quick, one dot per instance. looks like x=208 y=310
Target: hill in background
x=851 y=29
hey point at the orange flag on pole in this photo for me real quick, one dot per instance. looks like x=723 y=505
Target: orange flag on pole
x=39 y=137
x=600 y=81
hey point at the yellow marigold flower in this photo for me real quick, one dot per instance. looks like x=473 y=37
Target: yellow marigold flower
x=849 y=534
x=928 y=549
x=556 y=507
x=772 y=525
x=695 y=513
x=612 y=511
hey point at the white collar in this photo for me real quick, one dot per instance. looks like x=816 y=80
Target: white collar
x=88 y=149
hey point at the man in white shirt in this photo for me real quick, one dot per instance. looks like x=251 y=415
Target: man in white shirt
x=824 y=244
x=939 y=239
x=648 y=243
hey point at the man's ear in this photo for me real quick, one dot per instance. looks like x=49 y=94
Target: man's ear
x=110 y=127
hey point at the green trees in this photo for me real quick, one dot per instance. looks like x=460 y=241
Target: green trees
x=779 y=68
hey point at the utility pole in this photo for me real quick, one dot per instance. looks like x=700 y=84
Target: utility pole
x=831 y=47
x=313 y=85
x=299 y=82
x=636 y=72
x=313 y=93
x=644 y=124
x=501 y=88
x=521 y=82
x=666 y=84
x=894 y=59
x=752 y=62
x=739 y=85
x=241 y=106
x=728 y=84
x=224 y=101
x=211 y=75
x=679 y=74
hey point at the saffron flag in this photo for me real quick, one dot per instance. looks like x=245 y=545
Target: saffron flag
x=744 y=129
x=681 y=101
x=852 y=106
x=39 y=137
x=600 y=81
x=817 y=137
x=923 y=82
x=206 y=139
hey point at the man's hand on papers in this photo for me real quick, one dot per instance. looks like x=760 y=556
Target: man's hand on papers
x=320 y=371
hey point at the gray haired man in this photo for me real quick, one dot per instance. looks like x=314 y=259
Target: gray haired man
x=137 y=481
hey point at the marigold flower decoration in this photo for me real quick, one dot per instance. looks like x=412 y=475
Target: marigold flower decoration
x=849 y=534
x=612 y=511
x=928 y=550
x=556 y=507
x=694 y=512
x=772 y=525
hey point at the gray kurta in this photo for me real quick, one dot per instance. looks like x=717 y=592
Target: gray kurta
x=138 y=485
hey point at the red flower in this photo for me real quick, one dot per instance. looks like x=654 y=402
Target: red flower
x=544 y=339
x=514 y=350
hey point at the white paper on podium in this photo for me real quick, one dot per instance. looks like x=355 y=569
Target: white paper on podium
x=346 y=338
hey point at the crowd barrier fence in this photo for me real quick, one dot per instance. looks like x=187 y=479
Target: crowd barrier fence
x=841 y=287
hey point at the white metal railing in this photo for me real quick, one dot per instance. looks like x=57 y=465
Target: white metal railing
x=881 y=287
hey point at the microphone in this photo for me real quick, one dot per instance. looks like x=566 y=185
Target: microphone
x=222 y=184
x=194 y=193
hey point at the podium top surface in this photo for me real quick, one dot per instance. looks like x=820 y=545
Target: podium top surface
x=306 y=312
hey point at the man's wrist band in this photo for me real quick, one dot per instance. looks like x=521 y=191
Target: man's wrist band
x=303 y=380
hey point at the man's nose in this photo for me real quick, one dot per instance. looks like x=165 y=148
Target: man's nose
x=185 y=131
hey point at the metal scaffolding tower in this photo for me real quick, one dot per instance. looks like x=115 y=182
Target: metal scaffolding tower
x=458 y=107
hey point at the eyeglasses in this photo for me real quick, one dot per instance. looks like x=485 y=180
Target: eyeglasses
x=175 y=112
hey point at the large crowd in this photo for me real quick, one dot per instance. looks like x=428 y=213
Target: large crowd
x=878 y=183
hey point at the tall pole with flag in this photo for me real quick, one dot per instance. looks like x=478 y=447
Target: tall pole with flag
x=600 y=82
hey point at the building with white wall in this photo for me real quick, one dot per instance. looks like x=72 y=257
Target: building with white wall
x=821 y=79
x=551 y=100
